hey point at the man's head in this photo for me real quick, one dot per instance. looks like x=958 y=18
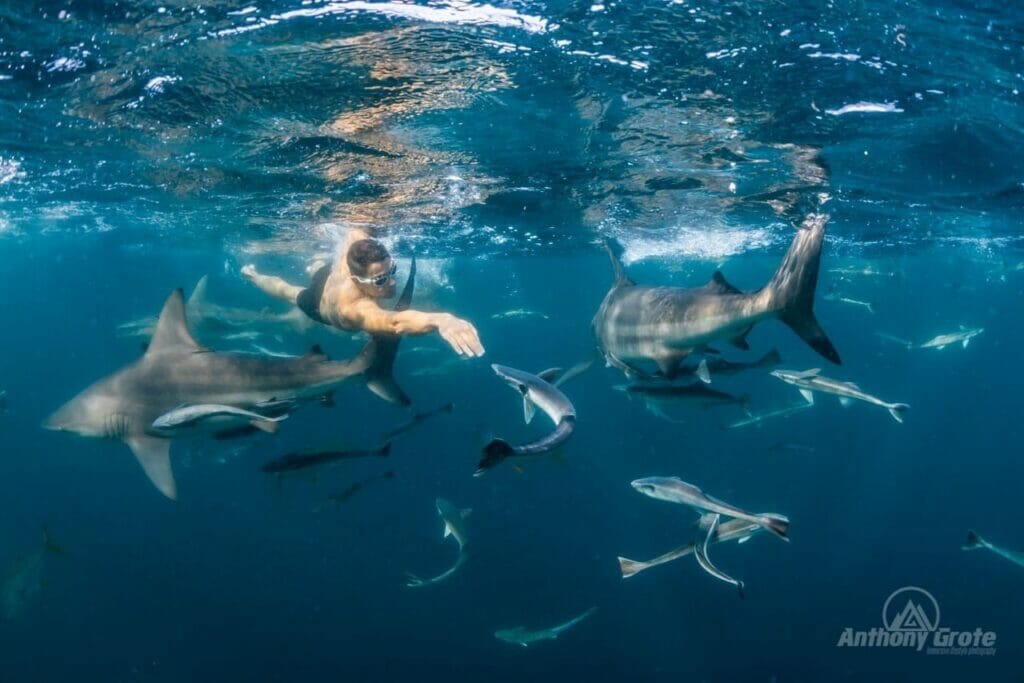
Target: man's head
x=372 y=268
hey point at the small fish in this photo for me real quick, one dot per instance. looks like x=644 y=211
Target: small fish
x=866 y=108
x=211 y=418
x=853 y=302
x=455 y=526
x=675 y=490
x=762 y=417
x=524 y=637
x=810 y=381
x=300 y=461
x=975 y=542
x=417 y=419
x=336 y=499
x=518 y=314
x=23 y=580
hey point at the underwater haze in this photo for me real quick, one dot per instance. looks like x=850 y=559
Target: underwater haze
x=145 y=145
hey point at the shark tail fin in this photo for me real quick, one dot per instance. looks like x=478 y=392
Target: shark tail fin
x=49 y=544
x=791 y=289
x=630 y=567
x=494 y=452
x=777 y=524
x=973 y=542
x=383 y=350
x=897 y=410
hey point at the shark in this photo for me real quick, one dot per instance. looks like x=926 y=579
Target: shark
x=810 y=381
x=658 y=395
x=208 y=317
x=962 y=337
x=760 y=418
x=176 y=371
x=739 y=530
x=538 y=391
x=455 y=526
x=524 y=637
x=976 y=542
x=24 y=577
x=675 y=490
x=637 y=324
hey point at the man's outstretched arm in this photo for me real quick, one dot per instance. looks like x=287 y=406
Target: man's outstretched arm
x=274 y=286
x=460 y=334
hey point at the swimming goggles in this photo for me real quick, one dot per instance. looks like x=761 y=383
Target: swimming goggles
x=378 y=281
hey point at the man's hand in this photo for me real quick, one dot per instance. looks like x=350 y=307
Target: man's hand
x=249 y=272
x=461 y=335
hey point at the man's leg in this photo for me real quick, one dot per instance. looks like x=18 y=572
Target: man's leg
x=274 y=286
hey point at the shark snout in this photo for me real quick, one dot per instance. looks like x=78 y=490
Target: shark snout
x=644 y=486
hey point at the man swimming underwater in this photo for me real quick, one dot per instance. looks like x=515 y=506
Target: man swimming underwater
x=347 y=295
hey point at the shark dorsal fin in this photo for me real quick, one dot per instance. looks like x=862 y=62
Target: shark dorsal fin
x=199 y=293
x=172 y=334
x=550 y=375
x=614 y=253
x=813 y=372
x=719 y=285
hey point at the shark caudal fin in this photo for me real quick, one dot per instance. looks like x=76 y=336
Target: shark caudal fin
x=494 y=452
x=790 y=292
x=379 y=376
x=777 y=524
x=973 y=542
x=897 y=410
x=630 y=567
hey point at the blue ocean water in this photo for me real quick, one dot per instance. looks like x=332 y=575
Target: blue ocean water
x=144 y=145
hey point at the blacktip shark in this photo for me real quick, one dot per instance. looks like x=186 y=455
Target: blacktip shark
x=538 y=391
x=455 y=526
x=976 y=542
x=210 y=418
x=524 y=637
x=675 y=490
x=664 y=325
x=867 y=305
x=810 y=381
x=760 y=418
x=292 y=462
x=24 y=578
x=739 y=530
x=176 y=370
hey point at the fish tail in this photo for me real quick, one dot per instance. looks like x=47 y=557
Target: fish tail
x=777 y=524
x=494 y=452
x=791 y=289
x=630 y=567
x=897 y=410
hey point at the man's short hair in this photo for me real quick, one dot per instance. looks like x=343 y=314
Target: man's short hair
x=364 y=252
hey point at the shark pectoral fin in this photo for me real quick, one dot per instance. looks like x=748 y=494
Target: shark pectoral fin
x=447 y=530
x=155 y=457
x=702 y=371
x=845 y=401
x=966 y=342
x=808 y=396
x=268 y=426
x=529 y=409
x=743 y=539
